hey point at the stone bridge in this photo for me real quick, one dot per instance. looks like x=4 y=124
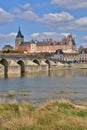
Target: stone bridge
x=21 y=64
x=18 y=65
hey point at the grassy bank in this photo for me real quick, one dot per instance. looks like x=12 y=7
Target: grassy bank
x=53 y=115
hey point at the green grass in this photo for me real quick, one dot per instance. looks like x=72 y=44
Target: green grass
x=10 y=95
x=52 y=115
x=80 y=113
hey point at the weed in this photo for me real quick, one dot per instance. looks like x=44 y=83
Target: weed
x=10 y=95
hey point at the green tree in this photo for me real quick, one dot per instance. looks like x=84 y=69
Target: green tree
x=80 y=49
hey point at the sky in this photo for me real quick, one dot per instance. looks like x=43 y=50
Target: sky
x=42 y=19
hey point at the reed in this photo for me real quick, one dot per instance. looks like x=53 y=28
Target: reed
x=52 y=115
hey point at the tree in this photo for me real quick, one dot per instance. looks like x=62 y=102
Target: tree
x=80 y=49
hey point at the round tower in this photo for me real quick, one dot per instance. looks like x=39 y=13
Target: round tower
x=19 y=39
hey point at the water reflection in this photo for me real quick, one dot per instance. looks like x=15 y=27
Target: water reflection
x=22 y=75
x=66 y=73
x=59 y=73
x=41 y=86
x=5 y=75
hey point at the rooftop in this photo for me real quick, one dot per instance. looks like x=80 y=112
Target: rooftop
x=19 y=34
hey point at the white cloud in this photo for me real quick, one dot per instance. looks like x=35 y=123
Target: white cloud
x=84 y=44
x=71 y=4
x=26 y=6
x=58 y=21
x=65 y=34
x=5 y=16
x=16 y=10
x=84 y=39
x=34 y=35
x=63 y=21
x=47 y=35
x=56 y=17
x=28 y=15
x=25 y=12
x=44 y=35
x=8 y=37
x=82 y=23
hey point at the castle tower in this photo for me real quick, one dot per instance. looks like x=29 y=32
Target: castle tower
x=71 y=42
x=19 y=39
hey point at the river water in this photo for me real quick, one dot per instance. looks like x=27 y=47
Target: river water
x=39 y=87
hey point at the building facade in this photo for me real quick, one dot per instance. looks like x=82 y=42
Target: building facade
x=7 y=48
x=73 y=57
x=67 y=44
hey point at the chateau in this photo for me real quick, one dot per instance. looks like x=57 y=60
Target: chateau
x=67 y=44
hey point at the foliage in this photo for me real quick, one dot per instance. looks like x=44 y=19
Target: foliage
x=80 y=49
x=9 y=51
x=10 y=95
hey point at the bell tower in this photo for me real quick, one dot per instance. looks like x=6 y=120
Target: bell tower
x=19 y=39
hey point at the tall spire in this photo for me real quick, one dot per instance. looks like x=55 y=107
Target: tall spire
x=19 y=34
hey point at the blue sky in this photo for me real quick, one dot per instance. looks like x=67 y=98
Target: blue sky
x=41 y=19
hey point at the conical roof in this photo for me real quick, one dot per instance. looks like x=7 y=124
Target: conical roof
x=19 y=34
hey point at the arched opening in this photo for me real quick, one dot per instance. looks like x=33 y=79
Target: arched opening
x=48 y=62
x=36 y=61
x=59 y=51
x=22 y=67
x=5 y=64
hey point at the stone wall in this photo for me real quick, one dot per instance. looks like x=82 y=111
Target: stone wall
x=79 y=66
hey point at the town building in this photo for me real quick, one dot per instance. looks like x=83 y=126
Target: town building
x=67 y=44
x=79 y=56
x=7 y=48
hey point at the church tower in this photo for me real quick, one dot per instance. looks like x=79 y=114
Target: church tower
x=19 y=39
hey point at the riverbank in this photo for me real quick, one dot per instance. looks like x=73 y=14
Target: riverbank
x=52 y=115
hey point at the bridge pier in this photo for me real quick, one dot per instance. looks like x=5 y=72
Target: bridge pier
x=5 y=65
x=1 y=69
x=33 y=68
x=14 y=69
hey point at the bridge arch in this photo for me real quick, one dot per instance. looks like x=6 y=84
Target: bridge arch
x=36 y=61
x=22 y=66
x=4 y=62
x=48 y=62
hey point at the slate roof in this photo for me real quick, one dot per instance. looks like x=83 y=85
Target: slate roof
x=39 y=43
x=25 y=44
x=8 y=46
x=43 y=43
x=19 y=34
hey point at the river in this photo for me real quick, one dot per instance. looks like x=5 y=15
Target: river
x=38 y=87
